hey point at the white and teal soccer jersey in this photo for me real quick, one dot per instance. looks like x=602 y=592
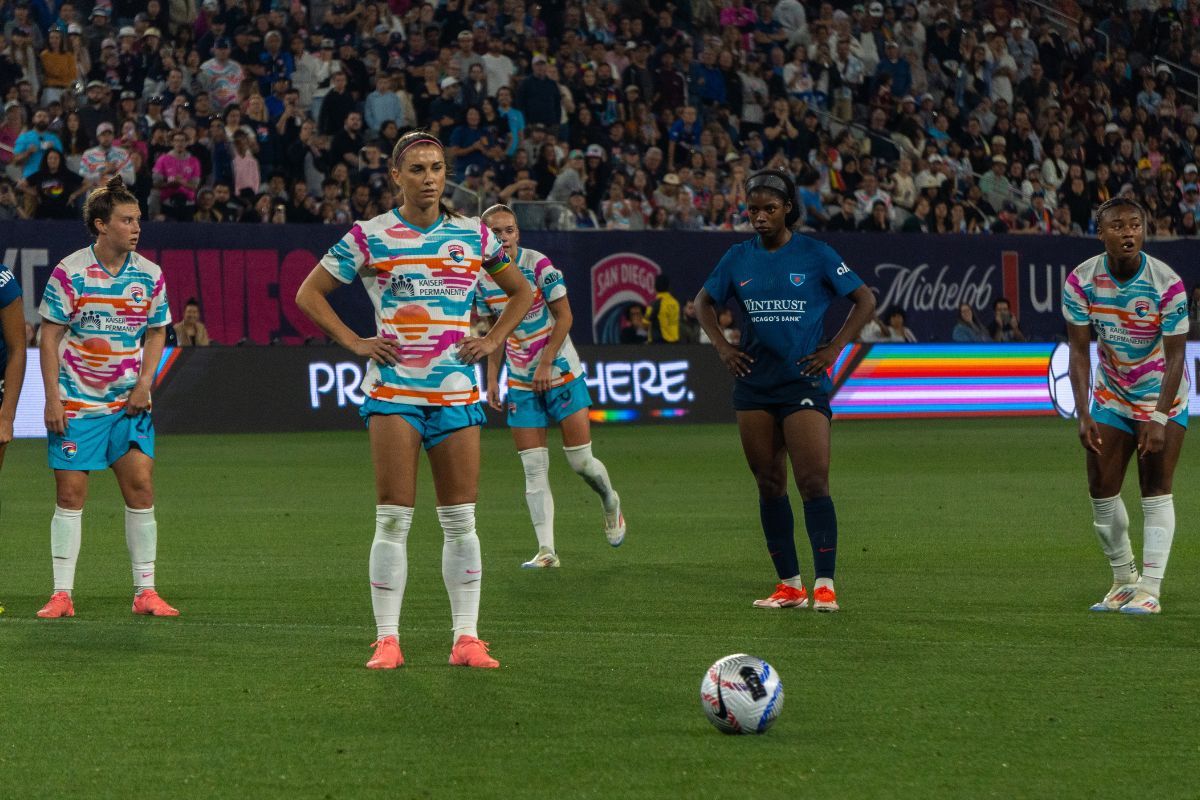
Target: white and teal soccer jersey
x=783 y=296
x=10 y=292
x=1130 y=320
x=421 y=282
x=106 y=317
x=524 y=347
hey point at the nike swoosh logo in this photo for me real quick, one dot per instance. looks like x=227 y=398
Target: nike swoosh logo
x=474 y=571
x=147 y=574
x=377 y=585
x=825 y=549
x=722 y=712
x=743 y=283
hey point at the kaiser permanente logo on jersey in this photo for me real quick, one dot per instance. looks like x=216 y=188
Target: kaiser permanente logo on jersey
x=618 y=281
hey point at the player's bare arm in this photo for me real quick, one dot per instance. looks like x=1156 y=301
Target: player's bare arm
x=736 y=361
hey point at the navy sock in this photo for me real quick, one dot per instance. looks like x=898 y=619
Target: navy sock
x=778 y=525
x=821 y=521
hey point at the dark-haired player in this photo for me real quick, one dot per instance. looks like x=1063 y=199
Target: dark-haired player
x=1138 y=308
x=783 y=283
x=99 y=304
x=420 y=264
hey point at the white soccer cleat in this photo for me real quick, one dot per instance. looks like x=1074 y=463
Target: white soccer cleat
x=544 y=559
x=614 y=524
x=1118 y=595
x=1141 y=603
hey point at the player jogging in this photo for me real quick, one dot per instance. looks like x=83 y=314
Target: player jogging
x=1138 y=307
x=99 y=304
x=545 y=385
x=12 y=354
x=420 y=264
x=783 y=283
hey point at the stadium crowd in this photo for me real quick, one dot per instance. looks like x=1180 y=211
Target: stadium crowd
x=938 y=116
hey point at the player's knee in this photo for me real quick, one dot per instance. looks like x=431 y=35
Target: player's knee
x=771 y=483
x=69 y=500
x=811 y=486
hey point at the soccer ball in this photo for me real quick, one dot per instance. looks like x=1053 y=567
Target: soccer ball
x=741 y=694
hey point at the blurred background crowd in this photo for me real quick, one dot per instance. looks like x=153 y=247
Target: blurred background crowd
x=936 y=116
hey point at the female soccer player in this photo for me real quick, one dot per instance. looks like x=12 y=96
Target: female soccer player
x=1138 y=307
x=420 y=264
x=545 y=385
x=12 y=354
x=103 y=300
x=783 y=283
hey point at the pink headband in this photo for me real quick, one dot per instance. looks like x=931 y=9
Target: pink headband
x=412 y=144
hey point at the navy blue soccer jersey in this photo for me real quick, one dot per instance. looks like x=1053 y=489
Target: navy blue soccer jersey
x=783 y=297
x=10 y=292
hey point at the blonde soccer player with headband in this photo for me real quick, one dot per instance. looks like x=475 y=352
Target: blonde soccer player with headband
x=420 y=264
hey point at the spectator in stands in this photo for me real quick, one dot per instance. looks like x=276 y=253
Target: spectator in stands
x=877 y=221
x=662 y=317
x=538 y=97
x=191 y=332
x=634 y=329
x=53 y=189
x=1004 y=327
x=101 y=162
x=31 y=146
x=177 y=177
x=967 y=328
x=888 y=328
x=220 y=76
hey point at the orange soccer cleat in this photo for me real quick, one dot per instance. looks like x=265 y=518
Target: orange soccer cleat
x=150 y=604
x=784 y=597
x=387 y=653
x=59 y=605
x=471 y=652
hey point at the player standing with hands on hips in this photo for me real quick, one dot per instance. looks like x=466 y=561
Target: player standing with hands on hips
x=420 y=264
x=545 y=385
x=1138 y=307
x=99 y=305
x=784 y=283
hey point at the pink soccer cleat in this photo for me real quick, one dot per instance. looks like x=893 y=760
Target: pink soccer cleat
x=471 y=652
x=60 y=605
x=387 y=653
x=150 y=604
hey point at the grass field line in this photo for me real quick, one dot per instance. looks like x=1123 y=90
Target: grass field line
x=507 y=631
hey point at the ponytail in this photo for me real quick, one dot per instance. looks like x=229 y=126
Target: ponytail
x=101 y=202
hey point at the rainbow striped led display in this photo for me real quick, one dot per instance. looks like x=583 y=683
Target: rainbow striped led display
x=939 y=380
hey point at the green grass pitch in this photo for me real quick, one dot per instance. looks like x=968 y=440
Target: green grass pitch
x=964 y=665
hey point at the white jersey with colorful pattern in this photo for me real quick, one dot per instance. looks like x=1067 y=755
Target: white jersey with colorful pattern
x=106 y=317
x=524 y=347
x=421 y=282
x=1130 y=319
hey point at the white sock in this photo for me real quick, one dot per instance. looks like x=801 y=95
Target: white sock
x=1159 y=514
x=462 y=567
x=823 y=583
x=66 y=532
x=1111 y=522
x=388 y=566
x=536 y=462
x=796 y=583
x=141 y=537
x=592 y=471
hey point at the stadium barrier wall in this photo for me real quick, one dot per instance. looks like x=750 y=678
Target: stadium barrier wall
x=277 y=389
x=246 y=276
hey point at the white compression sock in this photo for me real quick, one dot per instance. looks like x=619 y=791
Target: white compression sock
x=66 y=532
x=1159 y=514
x=536 y=462
x=388 y=566
x=141 y=537
x=592 y=470
x=1112 y=527
x=462 y=567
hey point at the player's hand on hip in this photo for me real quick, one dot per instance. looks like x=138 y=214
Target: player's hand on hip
x=736 y=361
x=56 y=416
x=819 y=361
x=1089 y=434
x=381 y=351
x=139 y=401
x=6 y=432
x=475 y=348
x=1151 y=438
